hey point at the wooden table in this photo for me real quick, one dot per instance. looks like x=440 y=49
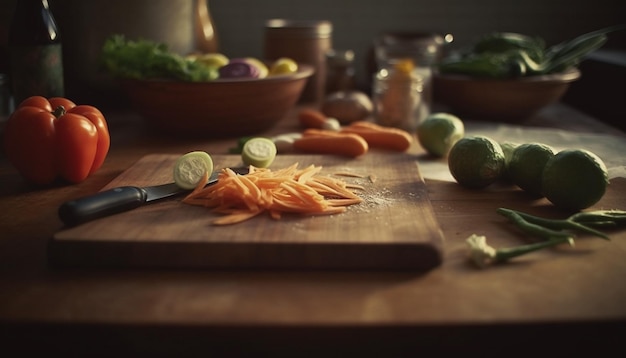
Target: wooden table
x=569 y=298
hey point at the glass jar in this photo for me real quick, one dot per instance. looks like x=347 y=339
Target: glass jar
x=425 y=49
x=340 y=73
x=398 y=96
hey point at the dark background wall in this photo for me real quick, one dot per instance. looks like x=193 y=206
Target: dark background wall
x=239 y=23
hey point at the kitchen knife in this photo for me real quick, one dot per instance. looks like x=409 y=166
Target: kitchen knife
x=121 y=199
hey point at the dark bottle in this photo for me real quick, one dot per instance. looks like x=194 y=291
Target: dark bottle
x=36 y=62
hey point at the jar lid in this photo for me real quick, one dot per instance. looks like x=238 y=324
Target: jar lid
x=299 y=28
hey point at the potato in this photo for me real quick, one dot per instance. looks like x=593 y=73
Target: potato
x=347 y=106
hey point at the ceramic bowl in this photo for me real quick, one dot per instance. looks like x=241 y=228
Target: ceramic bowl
x=506 y=100
x=220 y=108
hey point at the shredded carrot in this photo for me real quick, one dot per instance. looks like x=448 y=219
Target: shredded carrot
x=288 y=190
x=350 y=174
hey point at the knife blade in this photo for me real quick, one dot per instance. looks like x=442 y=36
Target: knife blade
x=121 y=199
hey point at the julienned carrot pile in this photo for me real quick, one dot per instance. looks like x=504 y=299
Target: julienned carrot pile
x=288 y=190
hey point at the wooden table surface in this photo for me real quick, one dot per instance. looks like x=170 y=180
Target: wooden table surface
x=579 y=291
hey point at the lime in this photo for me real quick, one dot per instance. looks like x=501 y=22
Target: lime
x=507 y=149
x=191 y=167
x=438 y=132
x=525 y=168
x=476 y=162
x=574 y=179
x=283 y=65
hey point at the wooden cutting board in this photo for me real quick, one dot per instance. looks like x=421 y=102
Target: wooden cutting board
x=394 y=228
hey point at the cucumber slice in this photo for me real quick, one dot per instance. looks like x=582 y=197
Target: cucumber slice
x=259 y=152
x=190 y=168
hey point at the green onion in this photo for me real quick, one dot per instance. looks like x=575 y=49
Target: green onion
x=553 y=231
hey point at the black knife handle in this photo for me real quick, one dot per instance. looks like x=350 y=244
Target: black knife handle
x=102 y=204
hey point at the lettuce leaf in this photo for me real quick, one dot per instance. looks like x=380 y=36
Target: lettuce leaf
x=145 y=59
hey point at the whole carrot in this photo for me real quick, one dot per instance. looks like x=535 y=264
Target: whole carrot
x=311 y=118
x=322 y=141
x=380 y=136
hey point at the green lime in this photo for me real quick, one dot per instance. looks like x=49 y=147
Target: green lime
x=438 y=132
x=574 y=179
x=191 y=167
x=476 y=162
x=525 y=168
x=507 y=149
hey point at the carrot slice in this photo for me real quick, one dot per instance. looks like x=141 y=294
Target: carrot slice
x=303 y=191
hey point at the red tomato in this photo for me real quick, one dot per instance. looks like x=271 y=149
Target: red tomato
x=50 y=138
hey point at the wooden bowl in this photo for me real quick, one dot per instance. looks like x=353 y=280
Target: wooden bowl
x=506 y=100
x=220 y=108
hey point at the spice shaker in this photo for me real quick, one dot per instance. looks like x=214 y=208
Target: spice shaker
x=305 y=42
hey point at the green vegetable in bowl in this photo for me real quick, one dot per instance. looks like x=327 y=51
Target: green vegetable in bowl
x=492 y=65
x=144 y=59
x=505 y=55
x=502 y=42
